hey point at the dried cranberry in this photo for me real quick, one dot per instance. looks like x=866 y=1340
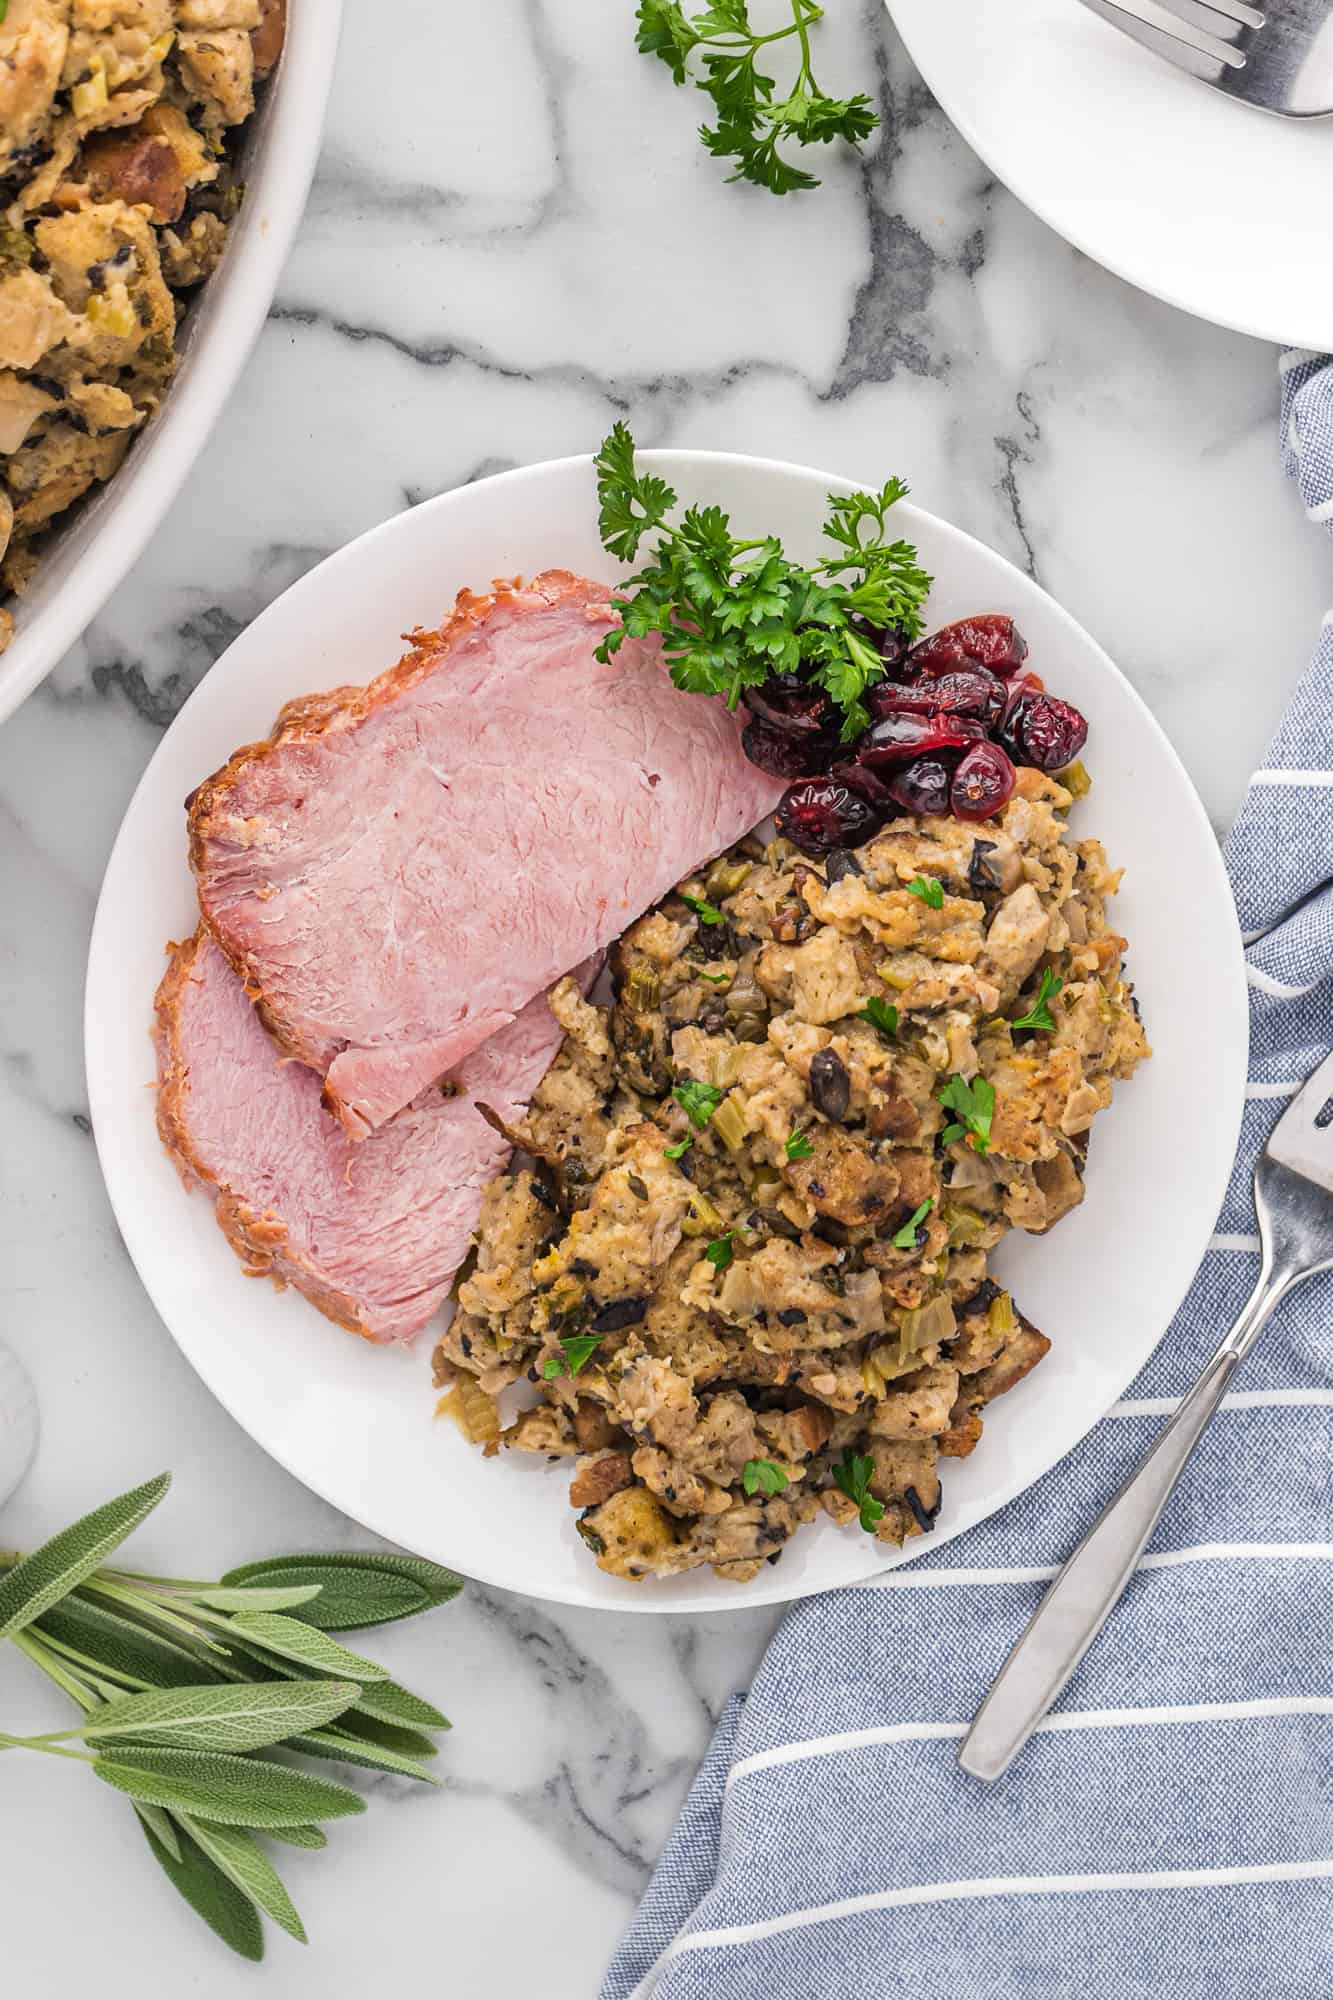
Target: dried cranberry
x=989 y=640
x=788 y=703
x=785 y=756
x=1043 y=731
x=964 y=691
x=982 y=784
x=820 y=814
x=924 y=787
x=897 y=739
x=859 y=778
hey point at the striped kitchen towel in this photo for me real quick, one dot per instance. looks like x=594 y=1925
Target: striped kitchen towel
x=1168 y=1834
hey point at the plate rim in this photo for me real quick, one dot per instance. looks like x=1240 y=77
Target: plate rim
x=1231 y=989
x=1043 y=207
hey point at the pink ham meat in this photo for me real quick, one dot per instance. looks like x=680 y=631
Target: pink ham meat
x=399 y=868
x=372 y=1234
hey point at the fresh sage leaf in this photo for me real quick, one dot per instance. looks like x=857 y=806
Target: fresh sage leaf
x=346 y=1749
x=244 y=1862
x=388 y=1735
x=387 y=1702
x=259 y=1598
x=122 y=1646
x=212 y=1896
x=234 y=1791
x=52 y=1571
x=297 y=1836
x=357 y=1589
x=306 y=1644
x=222 y=1718
x=159 y=1823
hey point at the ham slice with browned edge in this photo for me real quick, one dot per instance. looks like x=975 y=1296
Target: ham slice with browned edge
x=400 y=868
x=372 y=1233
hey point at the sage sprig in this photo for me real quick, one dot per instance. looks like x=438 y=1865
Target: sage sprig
x=186 y=1689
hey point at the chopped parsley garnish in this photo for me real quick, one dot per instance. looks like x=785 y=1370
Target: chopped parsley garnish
x=707 y=913
x=974 y=1102
x=718 y=1252
x=680 y=1149
x=753 y=113
x=715 y=978
x=761 y=1475
x=1039 y=1014
x=731 y=612
x=880 y=1015
x=906 y=1236
x=854 y=1476
x=578 y=1351
x=799 y=1147
x=930 y=889
x=698 y=1101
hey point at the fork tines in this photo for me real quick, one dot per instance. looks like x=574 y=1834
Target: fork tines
x=1196 y=35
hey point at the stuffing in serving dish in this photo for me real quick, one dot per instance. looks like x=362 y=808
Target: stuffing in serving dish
x=117 y=188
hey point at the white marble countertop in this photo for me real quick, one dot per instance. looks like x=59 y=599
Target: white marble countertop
x=514 y=238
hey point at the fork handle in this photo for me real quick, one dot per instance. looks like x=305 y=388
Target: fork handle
x=1085 y=1592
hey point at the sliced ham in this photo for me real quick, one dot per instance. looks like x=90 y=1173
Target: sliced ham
x=400 y=868
x=373 y=1233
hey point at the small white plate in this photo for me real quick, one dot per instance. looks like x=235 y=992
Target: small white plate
x=356 y=1422
x=1208 y=204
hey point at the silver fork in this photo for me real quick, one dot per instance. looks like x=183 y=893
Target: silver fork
x=1275 y=56
x=1293 y=1195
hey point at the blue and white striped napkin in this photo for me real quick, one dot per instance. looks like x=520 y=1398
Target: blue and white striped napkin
x=1168 y=1834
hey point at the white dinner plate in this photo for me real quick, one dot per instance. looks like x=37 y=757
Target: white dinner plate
x=357 y=1422
x=1215 y=207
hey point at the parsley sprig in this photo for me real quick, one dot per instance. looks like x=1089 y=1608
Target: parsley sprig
x=905 y=1238
x=751 y=119
x=879 y=1014
x=697 y=1100
x=798 y=1147
x=975 y=1104
x=576 y=1352
x=853 y=1475
x=763 y=1475
x=930 y=889
x=707 y=913
x=732 y=612
x=1039 y=1014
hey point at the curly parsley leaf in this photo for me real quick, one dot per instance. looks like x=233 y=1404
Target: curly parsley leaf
x=853 y=1475
x=753 y=122
x=1039 y=1014
x=707 y=913
x=930 y=889
x=798 y=1147
x=880 y=1015
x=761 y=1475
x=718 y=1252
x=905 y=1238
x=698 y=1101
x=680 y=1149
x=974 y=1103
x=732 y=611
x=577 y=1351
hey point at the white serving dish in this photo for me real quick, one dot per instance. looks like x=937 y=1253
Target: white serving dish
x=87 y=559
